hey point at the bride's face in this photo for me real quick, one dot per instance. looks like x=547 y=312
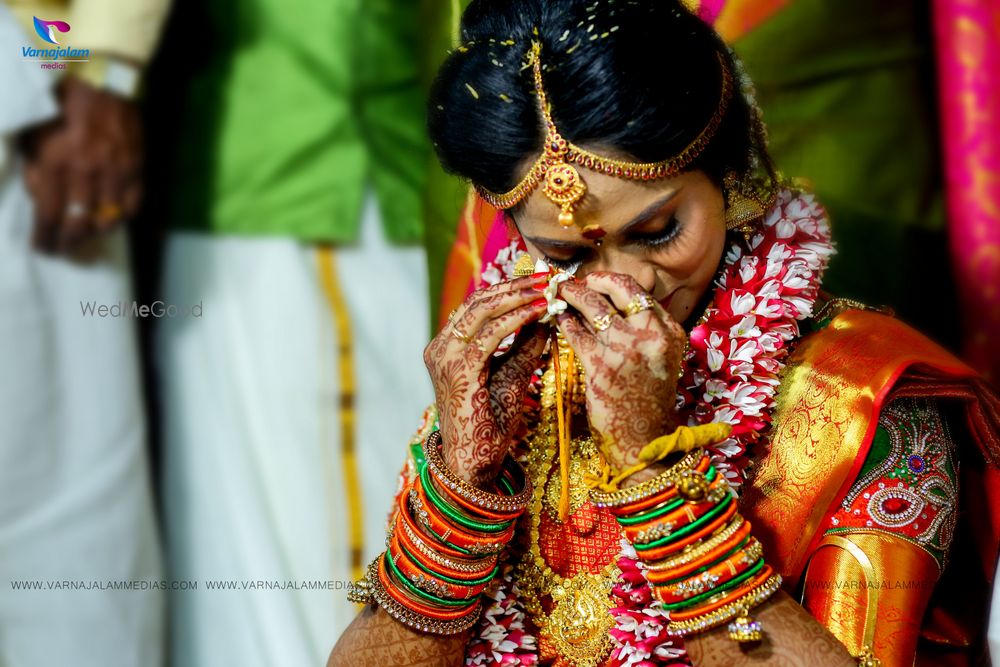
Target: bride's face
x=669 y=235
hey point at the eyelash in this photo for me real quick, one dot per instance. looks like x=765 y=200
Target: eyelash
x=669 y=233
x=663 y=238
x=563 y=264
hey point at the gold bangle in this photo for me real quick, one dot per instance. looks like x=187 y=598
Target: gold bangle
x=476 y=548
x=412 y=619
x=515 y=504
x=697 y=550
x=428 y=551
x=665 y=480
x=713 y=619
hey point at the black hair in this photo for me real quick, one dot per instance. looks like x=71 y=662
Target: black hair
x=635 y=79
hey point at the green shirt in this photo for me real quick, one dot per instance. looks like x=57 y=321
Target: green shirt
x=293 y=109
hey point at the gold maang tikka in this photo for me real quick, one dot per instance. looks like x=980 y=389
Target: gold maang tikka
x=556 y=167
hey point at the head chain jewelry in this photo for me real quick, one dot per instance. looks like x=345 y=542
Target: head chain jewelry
x=562 y=182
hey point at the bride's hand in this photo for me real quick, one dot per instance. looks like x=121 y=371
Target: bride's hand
x=631 y=366
x=479 y=397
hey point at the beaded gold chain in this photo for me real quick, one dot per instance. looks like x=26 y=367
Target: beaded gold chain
x=580 y=623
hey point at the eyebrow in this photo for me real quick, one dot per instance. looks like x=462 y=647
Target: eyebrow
x=647 y=213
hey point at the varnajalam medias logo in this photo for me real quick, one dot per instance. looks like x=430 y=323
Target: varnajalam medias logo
x=49 y=31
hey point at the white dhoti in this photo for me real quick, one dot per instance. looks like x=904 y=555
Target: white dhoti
x=80 y=571
x=257 y=487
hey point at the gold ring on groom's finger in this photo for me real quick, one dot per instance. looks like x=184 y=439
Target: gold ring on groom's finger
x=639 y=303
x=603 y=322
x=108 y=212
x=465 y=338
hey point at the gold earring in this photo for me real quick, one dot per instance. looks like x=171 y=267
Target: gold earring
x=744 y=210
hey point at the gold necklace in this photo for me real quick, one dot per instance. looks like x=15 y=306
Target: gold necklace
x=580 y=622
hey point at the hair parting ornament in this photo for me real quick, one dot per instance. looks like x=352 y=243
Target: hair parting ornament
x=556 y=168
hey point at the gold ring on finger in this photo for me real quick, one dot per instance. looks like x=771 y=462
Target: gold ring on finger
x=603 y=322
x=451 y=315
x=478 y=344
x=457 y=333
x=108 y=212
x=639 y=303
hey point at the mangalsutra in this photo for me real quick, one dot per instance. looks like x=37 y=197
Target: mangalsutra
x=579 y=623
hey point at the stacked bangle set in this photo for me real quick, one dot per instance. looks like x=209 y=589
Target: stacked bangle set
x=703 y=564
x=443 y=545
x=446 y=536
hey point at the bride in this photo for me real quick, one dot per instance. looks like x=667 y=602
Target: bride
x=655 y=440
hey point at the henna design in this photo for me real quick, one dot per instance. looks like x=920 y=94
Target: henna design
x=396 y=644
x=631 y=373
x=479 y=402
x=576 y=333
x=792 y=638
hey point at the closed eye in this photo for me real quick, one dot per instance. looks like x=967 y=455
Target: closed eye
x=660 y=238
x=649 y=241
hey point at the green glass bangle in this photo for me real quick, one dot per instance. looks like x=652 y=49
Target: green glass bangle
x=450 y=580
x=688 y=529
x=732 y=583
x=513 y=506
x=430 y=597
x=654 y=513
x=729 y=553
x=461 y=550
x=507 y=485
x=662 y=509
x=452 y=513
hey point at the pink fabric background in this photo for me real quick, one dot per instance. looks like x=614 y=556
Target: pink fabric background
x=968 y=55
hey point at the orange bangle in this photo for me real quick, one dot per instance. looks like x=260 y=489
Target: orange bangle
x=439 y=546
x=512 y=505
x=723 y=572
x=419 y=549
x=470 y=577
x=466 y=537
x=659 y=553
x=394 y=591
x=461 y=500
x=430 y=582
x=663 y=496
x=661 y=576
x=762 y=576
x=448 y=533
x=680 y=517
